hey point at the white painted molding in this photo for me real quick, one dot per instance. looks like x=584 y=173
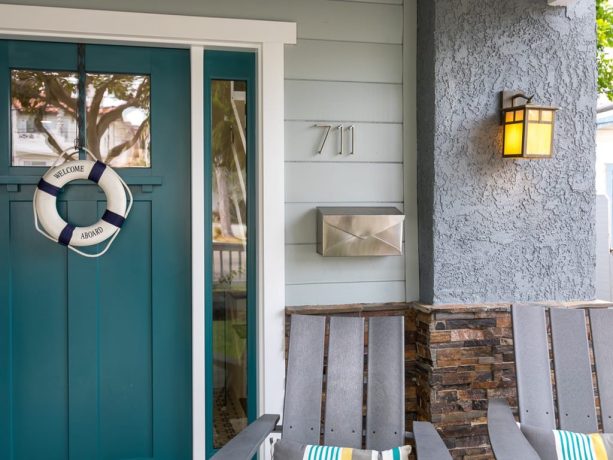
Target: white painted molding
x=560 y=2
x=199 y=33
x=198 y=265
x=271 y=378
x=144 y=28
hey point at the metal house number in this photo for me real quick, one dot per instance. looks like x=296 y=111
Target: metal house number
x=339 y=129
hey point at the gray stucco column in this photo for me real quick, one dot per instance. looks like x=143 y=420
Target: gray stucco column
x=493 y=229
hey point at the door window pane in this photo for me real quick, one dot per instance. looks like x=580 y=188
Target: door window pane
x=44 y=108
x=118 y=108
x=229 y=182
x=43 y=115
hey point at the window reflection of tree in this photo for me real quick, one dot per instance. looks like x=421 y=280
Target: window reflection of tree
x=49 y=101
x=229 y=161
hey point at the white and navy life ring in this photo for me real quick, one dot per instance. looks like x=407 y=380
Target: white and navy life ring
x=57 y=229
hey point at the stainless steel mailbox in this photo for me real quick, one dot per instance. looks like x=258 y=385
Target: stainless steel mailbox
x=359 y=231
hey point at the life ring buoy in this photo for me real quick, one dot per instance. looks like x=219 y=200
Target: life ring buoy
x=56 y=228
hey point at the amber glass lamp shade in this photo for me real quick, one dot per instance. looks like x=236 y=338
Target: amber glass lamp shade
x=528 y=131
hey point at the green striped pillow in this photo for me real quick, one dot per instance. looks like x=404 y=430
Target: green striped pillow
x=290 y=450
x=567 y=445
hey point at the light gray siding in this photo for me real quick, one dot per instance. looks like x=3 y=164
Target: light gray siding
x=304 y=267
x=349 y=182
x=318 y=100
x=365 y=62
x=334 y=293
x=354 y=81
x=604 y=258
x=347 y=68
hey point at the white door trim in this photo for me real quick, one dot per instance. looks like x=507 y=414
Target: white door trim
x=198 y=263
x=198 y=33
x=143 y=28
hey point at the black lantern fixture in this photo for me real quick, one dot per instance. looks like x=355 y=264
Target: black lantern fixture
x=527 y=128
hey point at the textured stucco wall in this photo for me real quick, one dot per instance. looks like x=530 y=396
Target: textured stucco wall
x=494 y=229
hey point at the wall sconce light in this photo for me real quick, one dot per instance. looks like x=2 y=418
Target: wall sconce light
x=527 y=129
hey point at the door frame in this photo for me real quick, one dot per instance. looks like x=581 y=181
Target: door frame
x=267 y=39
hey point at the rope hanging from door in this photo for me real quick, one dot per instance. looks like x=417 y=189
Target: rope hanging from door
x=57 y=229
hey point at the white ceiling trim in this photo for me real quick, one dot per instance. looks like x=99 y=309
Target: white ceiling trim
x=560 y=2
x=143 y=28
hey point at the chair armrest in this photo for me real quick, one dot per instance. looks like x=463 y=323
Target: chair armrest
x=508 y=442
x=246 y=443
x=428 y=443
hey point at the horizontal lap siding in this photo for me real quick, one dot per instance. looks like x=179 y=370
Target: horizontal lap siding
x=351 y=78
x=389 y=2
x=338 y=182
x=344 y=61
x=304 y=265
x=349 y=293
x=343 y=101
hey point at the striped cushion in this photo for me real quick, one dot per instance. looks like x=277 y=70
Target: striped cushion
x=289 y=450
x=566 y=445
x=577 y=446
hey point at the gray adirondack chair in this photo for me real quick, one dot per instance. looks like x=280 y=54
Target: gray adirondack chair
x=576 y=406
x=343 y=422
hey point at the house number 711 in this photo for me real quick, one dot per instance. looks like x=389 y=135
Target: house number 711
x=339 y=129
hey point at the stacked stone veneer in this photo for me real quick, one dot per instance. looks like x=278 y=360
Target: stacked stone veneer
x=457 y=357
x=464 y=356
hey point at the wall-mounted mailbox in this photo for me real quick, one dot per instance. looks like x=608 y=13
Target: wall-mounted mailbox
x=359 y=231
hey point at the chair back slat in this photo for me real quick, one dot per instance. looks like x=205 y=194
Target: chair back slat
x=345 y=382
x=601 y=320
x=385 y=394
x=532 y=366
x=303 y=389
x=573 y=371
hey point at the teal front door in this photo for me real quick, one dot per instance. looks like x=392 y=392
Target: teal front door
x=95 y=354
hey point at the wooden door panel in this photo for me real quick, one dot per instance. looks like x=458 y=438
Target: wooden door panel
x=95 y=354
x=38 y=341
x=126 y=358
